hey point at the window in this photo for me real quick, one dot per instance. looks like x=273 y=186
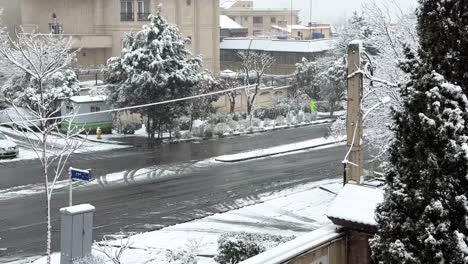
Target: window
x=143 y=10
x=189 y=2
x=258 y=20
x=126 y=10
x=95 y=109
x=273 y=20
x=246 y=18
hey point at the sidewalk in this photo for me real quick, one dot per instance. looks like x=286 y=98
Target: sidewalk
x=283 y=149
x=294 y=211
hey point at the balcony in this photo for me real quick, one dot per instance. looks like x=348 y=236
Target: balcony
x=127 y=17
x=91 y=41
x=143 y=16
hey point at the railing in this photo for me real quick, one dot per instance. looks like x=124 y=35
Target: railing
x=143 y=16
x=126 y=17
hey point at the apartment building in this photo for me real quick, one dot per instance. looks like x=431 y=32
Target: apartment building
x=259 y=21
x=98 y=26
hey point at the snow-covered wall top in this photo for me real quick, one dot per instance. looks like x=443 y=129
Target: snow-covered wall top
x=271 y=45
x=356 y=204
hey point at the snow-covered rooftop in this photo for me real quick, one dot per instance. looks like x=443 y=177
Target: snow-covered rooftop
x=356 y=204
x=307 y=46
x=88 y=99
x=226 y=4
x=285 y=252
x=77 y=209
x=227 y=22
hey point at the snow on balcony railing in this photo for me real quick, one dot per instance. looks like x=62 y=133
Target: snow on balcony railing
x=294 y=248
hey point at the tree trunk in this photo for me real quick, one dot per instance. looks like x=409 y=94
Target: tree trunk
x=232 y=104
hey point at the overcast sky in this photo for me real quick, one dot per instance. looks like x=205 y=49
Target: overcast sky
x=327 y=11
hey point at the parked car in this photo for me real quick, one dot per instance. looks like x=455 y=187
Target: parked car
x=22 y=114
x=8 y=148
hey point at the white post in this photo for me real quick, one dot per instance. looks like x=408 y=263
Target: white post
x=71 y=188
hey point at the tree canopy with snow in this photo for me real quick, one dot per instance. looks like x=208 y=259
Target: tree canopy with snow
x=333 y=83
x=155 y=66
x=424 y=216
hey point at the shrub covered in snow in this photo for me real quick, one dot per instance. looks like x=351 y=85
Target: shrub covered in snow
x=255 y=122
x=236 y=247
x=184 y=123
x=267 y=122
x=280 y=121
x=300 y=117
x=202 y=129
x=233 y=125
x=292 y=120
x=221 y=129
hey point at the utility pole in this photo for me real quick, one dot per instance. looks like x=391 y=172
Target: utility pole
x=310 y=18
x=354 y=167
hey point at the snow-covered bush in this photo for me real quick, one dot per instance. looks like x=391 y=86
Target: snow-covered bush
x=267 y=122
x=280 y=121
x=244 y=124
x=300 y=117
x=184 y=123
x=236 y=247
x=255 y=122
x=292 y=120
x=221 y=129
x=203 y=130
x=91 y=259
x=233 y=125
x=187 y=135
x=220 y=118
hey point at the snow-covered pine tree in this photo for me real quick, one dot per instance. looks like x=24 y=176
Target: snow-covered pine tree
x=306 y=78
x=442 y=27
x=424 y=216
x=155 y=66
x=333 y=84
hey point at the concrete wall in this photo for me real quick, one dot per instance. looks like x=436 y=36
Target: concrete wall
x=265 y=99
x=332 y=253
x=100 y=22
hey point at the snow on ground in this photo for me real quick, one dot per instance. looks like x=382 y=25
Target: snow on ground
x=59 y=143
x=259 y=153
x=294 y=211
x=24 y=154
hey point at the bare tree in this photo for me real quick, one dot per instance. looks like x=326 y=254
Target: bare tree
x=254 y=64
x=38 y=57
x=387 y=35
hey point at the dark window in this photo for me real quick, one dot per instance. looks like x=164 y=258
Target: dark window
x=273 y=20
x=143 y=10
x=189 y=2
x=95 y=109
x=126 y=10
x=258 y=20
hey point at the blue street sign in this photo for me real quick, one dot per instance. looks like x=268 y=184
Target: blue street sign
x=80 y=175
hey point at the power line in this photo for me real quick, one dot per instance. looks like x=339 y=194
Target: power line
x=143 y=105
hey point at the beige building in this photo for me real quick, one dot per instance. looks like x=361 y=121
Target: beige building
x=258 y=20
x=300 y=32
x=98 y=26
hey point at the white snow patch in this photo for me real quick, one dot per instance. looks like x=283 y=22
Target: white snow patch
x=259 y=153
x=356 y=204
x=295 y=211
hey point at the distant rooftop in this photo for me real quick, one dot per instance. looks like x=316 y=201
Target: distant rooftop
x=227 y=23
x=306 y=46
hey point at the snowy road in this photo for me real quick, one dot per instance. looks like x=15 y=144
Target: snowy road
x=25 y=172
x=195 y=192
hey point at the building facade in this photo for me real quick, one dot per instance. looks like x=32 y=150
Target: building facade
x=285 y=52
x=98 y=26
x=258 y=21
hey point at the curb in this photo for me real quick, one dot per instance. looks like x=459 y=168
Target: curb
x=278 y=153
x=104 y=141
